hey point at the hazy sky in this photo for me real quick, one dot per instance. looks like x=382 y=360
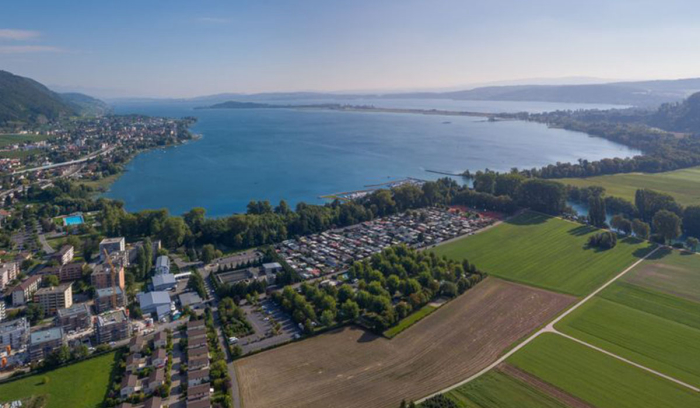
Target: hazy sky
x=195 y=47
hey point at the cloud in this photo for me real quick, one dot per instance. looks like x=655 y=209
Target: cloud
x=27 y=49
x=18 y=35
x=213 y=20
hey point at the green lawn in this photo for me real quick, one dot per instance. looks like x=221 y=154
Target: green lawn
x=546 y=252
x=683 y=185
x=670 y=271
x=599 y=379
x=102 y=184
x=81 y=385
x=410 y=320
x=496 y=389
x=654 y=342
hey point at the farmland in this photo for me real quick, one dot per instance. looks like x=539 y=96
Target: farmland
x=350 y=367
x=596 y=378
x=61 y=389
x=655 y=342
x=546 y=252
x=672 y=272
x=11 y=139
x=497 y=389
x=683 y=185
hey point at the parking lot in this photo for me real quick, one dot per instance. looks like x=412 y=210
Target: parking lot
x=262 y=318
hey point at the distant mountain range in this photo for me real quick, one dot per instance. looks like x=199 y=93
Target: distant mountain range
x=647 y=94
x=24 y=100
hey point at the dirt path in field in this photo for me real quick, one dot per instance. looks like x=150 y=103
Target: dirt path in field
x=545 y=387
x=550 y=329
x=350 y=367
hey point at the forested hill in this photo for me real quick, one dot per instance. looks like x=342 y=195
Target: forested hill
x=26 y=101
x=679 y=117
x=86 y=105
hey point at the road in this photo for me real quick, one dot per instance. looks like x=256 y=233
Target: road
x=549 y=328
x=68 y=163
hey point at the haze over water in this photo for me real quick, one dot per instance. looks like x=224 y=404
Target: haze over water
x=299 y=155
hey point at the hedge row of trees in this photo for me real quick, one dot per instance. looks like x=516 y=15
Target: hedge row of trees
x=391 y=285
x=653 y=215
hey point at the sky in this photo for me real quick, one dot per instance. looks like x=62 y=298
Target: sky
x=178 y=48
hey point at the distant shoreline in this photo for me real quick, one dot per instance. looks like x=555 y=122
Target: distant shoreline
x=361 y=108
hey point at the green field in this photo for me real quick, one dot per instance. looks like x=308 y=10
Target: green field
x=81 y=385
x=672 y=272
x=683 y=185
x=599 y=379
x=546 y=252
x=496 y=389
x=654 y=342
x=410 y=320
x=7 y=140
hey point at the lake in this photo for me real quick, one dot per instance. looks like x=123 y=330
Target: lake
x=299 y=155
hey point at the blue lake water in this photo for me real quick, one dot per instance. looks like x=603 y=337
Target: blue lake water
x=299 y=155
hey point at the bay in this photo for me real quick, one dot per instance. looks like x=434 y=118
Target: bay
x=299 y=155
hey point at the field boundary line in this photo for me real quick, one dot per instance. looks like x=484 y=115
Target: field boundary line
x=549 y=328
x=596 y=348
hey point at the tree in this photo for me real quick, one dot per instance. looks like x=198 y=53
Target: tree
x=208 y=253
x=50 y=280
x=327 y=318
x=667 y=224
x=603 y=240
x=34 y=313
x=173 y=232
x=621 y=224
x=542 y=195
x=691 y=221
x=692 y=243
x=350 y=310
x=641 y=229
x=596 y=211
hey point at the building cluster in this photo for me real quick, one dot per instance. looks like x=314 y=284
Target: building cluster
x=198 y=385
x=335 y=250
x=145 y=369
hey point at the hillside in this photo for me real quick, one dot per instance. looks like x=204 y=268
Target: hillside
x=26 y=101
x=86 y=105
x=679 y=117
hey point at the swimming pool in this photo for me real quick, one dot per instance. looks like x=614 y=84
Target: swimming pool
x=73 y=220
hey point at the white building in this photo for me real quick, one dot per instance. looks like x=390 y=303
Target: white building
x=14 y=333
x=162 y=265
x=111 y=245
x=8 y=272
x=154 y=302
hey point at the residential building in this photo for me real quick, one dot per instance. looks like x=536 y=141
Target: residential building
x=160 y=339
x=190 y=299
x=198 y=392
x=195 y=324
x=153 y=402
x=198 y=352
x=130 y=385
x=74 y=318
x=112 y=326
x=43 y=343
x=197 y=377
x=195 y=333
x=111 y=245
x=65 y=254
x=105 y=299
x=134 y=362
x=193 y=343
x=164 y=282
x=55 y=297
x=8 y=273
x=70 y=272
x=159 y=358
x=201 y=403
x=136 y=344
x=155 y=380
x=14 y=333
x=198 y=363
x=2 y=310
x=24 y=292
x=162 y=265
x=102 y=276
x=154 y=302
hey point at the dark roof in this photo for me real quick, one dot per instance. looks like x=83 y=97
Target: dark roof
x=203 y=403
x=203 y=373
x=153 y=402
x=198 y=389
